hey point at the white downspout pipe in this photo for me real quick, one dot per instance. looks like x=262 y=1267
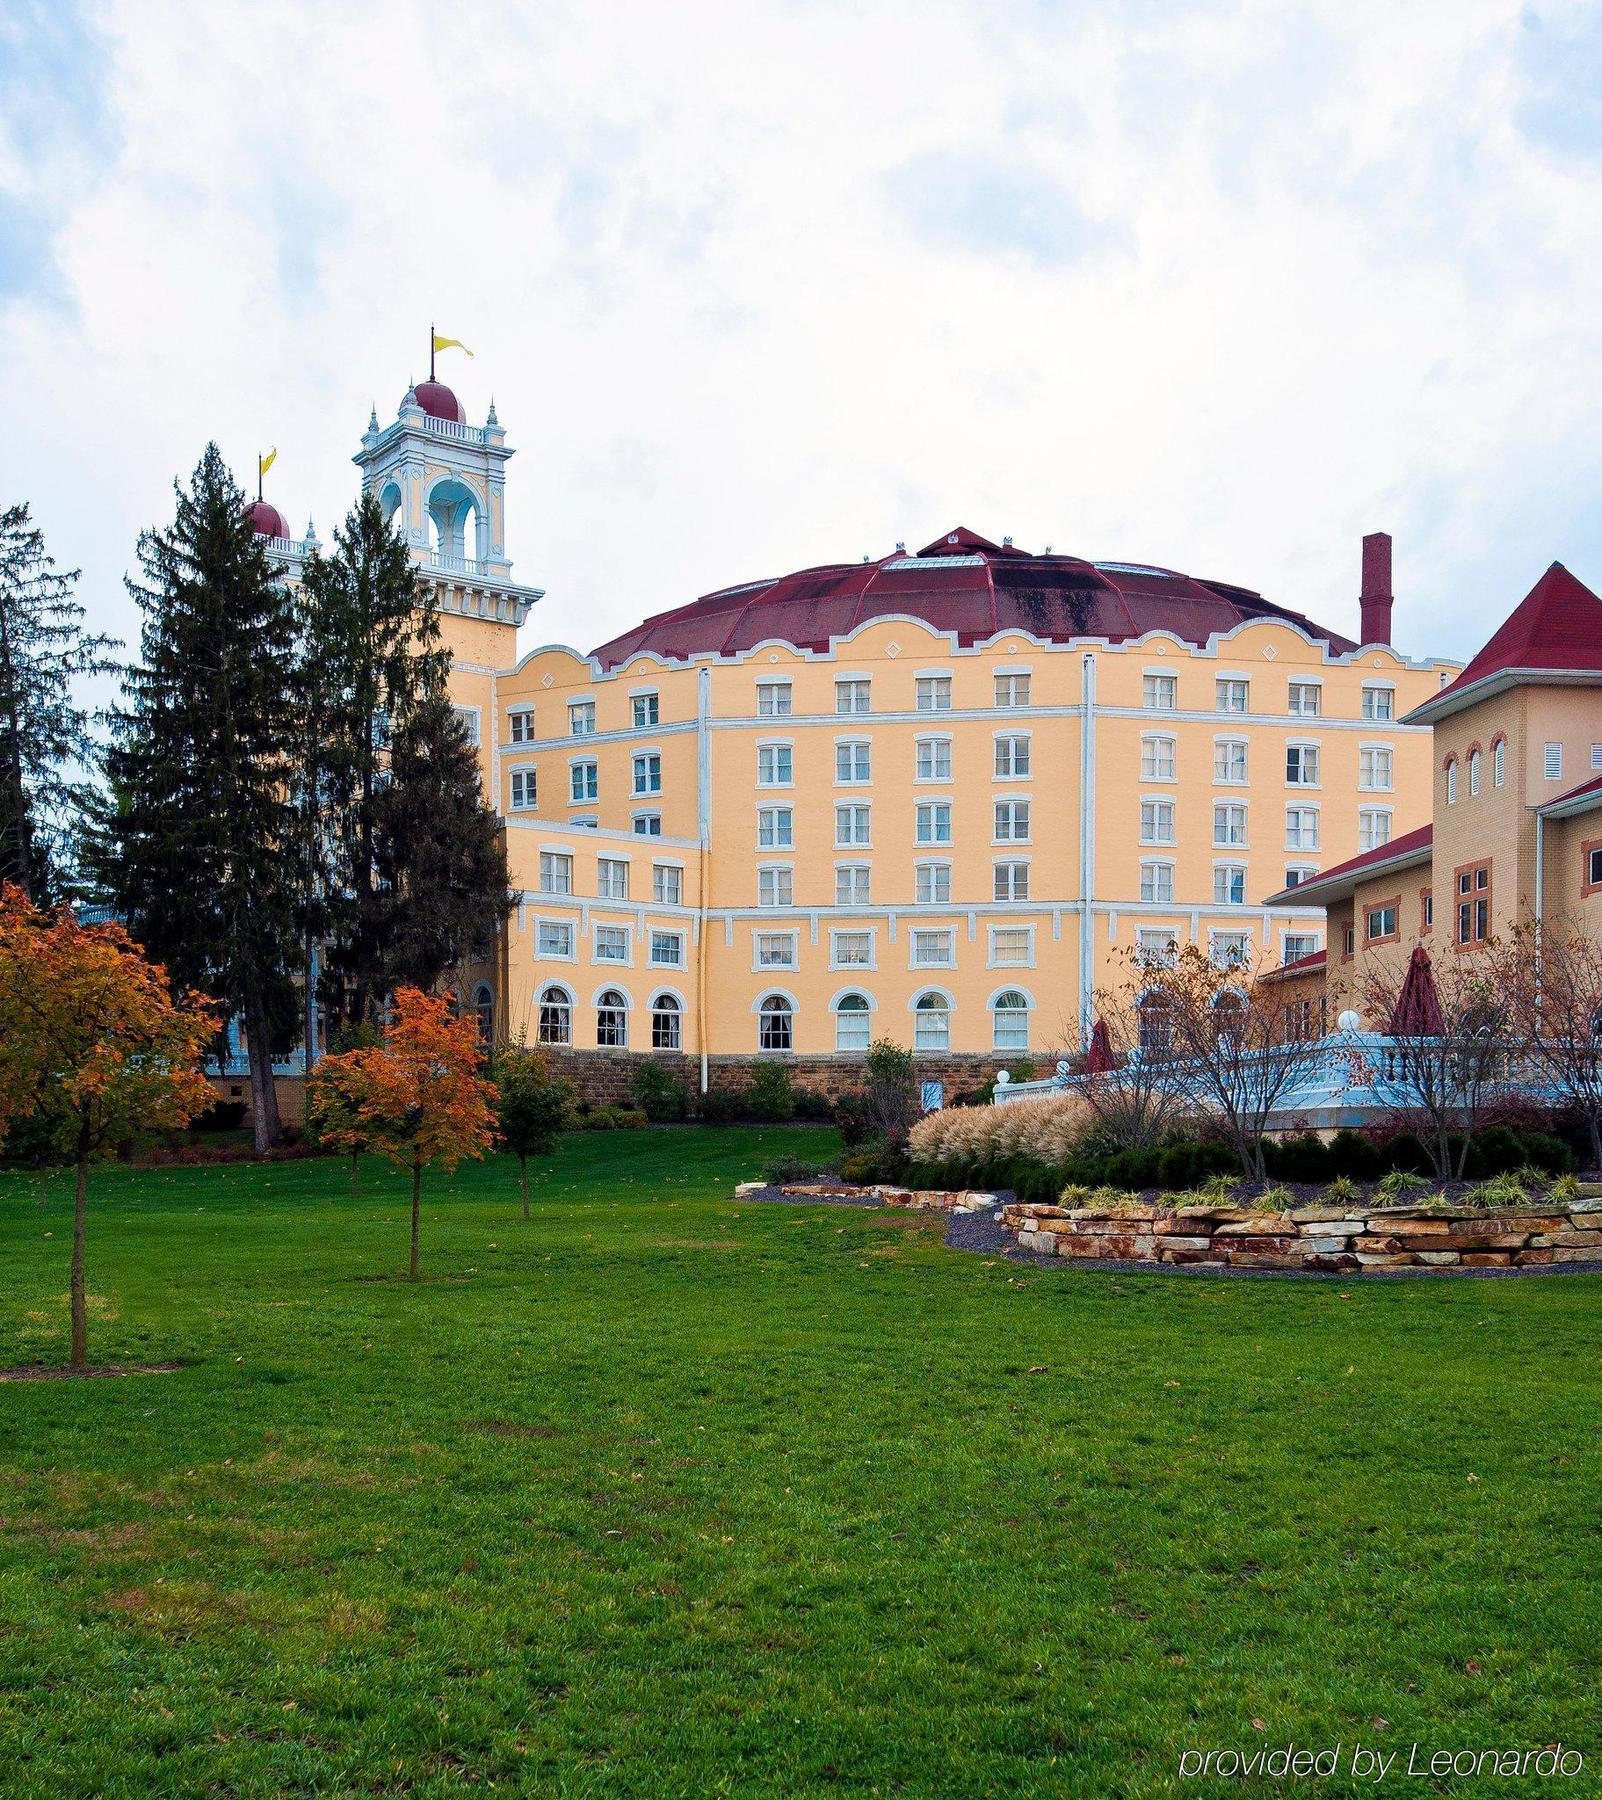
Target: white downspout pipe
x=1087 y=843
x=703 y=805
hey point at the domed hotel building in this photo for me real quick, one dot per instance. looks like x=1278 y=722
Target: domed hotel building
x=937 y=797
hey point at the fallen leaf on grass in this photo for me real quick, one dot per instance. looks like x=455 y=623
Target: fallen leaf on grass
x=1259 y=1725
x=1037 y=1369
x=1473 y=1668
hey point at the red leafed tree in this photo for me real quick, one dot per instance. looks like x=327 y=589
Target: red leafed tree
x=417 y=1097
x=93 y=1047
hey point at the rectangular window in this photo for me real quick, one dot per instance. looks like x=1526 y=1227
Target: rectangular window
x=773 y=765
x=1232 y=695
x=932 y=883
x=933 y=759
x=1374 y=763
x=667 y=884
x=775 y=950
x=1596 y=757
x=1593 y=866
x=1301 y=827
x=1373 y=827
x=1552 y=762
x=775 y=828
x=556 y=872
x=1157 y=883
x=1012 y=881
x=1379 y=922
x=611 y=878
x=853 y=764
x=520 y=725
x=648 y=773
x=648 y=824
x=1299 y=944
x=581 y=718
x=934 y=949
x=933 y=822
x=553 y=938
x=852 y=697
x=775 y=885
x=645 y=711
x=1229 y=949
x=851 y=949
x=934 y=693
x=1229 y=884
x=1012 y=821
x=851 y=884
x=852 y=827
x=1156 y=947
x=1012 y=946
x=773 y=699
x=1159 y=693
x=1306 y=699
x=1379 y=703
x=1012 y=690
x=1297 y=873
x=1474 y=904
x=524 y=790
x=585 y=779
x=469 y=717
x=1229 y=761
x=1426 y=909
x=612 y=943
x=1156 y=821
x=667 y=949
x=1349 y=939
x=1012 y=758
x=1158 y=758
x=1301 y=765
x=1229 y=824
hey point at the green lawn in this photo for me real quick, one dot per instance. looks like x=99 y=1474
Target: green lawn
x=663 y=1495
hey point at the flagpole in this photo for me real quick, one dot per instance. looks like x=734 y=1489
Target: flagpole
x=258 y=477
x=431 y=353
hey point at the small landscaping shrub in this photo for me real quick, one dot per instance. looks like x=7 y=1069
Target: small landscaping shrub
x=863 y=1168
x=815 y=1108
x=1219 y=1189
x=1399 y=1184
x=1275 y=1199
x=1304 y=1157
x=612 y=1118
x=785 y=1169
x=1565 y=1189
x=770 y=1096
x=221 y=1115
x=722 y=1108
x=1342 y=1191
x=1354 y=1154
x=659 y=1094
x=1114 y=1199
x=1500 y=1190
x=854 y=1118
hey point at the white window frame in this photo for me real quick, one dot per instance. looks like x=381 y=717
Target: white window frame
x=659 y=870
x=774 y=754
x=1009 y=764
x=651 y=700
x=853 y=875
x=1227 y=815
x=1152 y=746
x=938 y=869
x=939 y=765
x=775 y=698
x=1302 y=748
x=526 y=775
x=520 y=724
x=1298 y=842
x=1162 y=809
x=626 y=960
x=776 y=820
x=567 y=927
x=653 y=933
x=1014 y=698
x=1225 y=875
x=605 y=870
x=991 y=959
x=589 y=769
x=771 y=878
x=789 y=940
x=1013 y=814
x=1300 y=686
x=853 y=687
x=836 y=932
x=1156 y=873
x=930 y=812
x=580 y=718
x=1011 y=873
x=646 y=763
x=858 y=756
x=1221 y=745
x=549 y=865
x=1155 y=683
x=1368 y=756
x=1243 y=682
x=931 y=691
x=854 y=818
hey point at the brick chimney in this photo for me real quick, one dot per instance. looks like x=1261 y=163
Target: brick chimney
x=1376 y=596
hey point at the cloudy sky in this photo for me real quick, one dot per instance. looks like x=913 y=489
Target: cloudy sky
x=1219 y=285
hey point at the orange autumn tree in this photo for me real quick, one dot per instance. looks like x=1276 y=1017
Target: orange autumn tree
x=93 y=1048
x=417 y=1097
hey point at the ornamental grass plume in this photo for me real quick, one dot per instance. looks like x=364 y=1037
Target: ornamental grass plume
x=1048 y=1131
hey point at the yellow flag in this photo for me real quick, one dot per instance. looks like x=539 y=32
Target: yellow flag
x=264 y=463
x=445 y=343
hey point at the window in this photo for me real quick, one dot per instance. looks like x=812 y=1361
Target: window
x=933 y=822
x=1299 y=944
x=1349 y=939
x=612 y=1021
x=1474 y=772
x=851 y=949
x=667 y=884
x=1229 y=824
x=611 y=943
x=1012 y=821
x=1379 y=703
x=1297 y=873
x=1157 y=883
x=611 y=878
x=647 y=824
x=1426 y=909
x=852 y=697
x=934 y=693
x=1159 y=693
x=775 y=949
x=1012 y=946
x=1379 y=922
x=1012 y=690
x=852 y=826
x=1552 y=762
x=648 y=773
x=1498 y=762
x=1301 y=827
x=775 y=1024
x=524 y=790
x=1229 y=761
x=1593 y=866
x=645 y=711
x=1451 y=781
x=1229 y=949
x=520 y=725
x=584 y=781
x=773 y=699
x=1154 y=1026
x=775 y=828
x=1158 y=758
x=1012 y=758
x=933 y=949
x=931 y=1022
x=556 y=872
x=853 y=1023
x=469 y=718
x=773 y=765
x=932 y=759
x=1156 y=947
x=851 y=883
x=932 y=883
x=1229 y=884
x=1373 y=827
x=555 y=1016
x=1301 y=765
x=667 y=949
x=554 y=937
x=853 y=764
x=581 y=718
x=1374 y=762
x=775 y=885
x=1012 y=881
x=1306 y=699
x=1233 y=695
x=667 y=1019
x=1474 y=904
x=1156 y=821
x=1009 y=1021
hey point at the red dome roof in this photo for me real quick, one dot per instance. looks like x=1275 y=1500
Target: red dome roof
x=439 y=402
x=961 y=583
x=266 y=520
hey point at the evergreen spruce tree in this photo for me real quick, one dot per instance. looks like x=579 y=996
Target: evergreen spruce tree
x=195 y=846
x=44 y=736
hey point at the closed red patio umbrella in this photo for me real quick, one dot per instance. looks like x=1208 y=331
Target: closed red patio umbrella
x=1099 y=1057
x=1418 y=1006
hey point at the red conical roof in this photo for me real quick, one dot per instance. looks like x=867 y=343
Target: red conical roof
x=439 y=402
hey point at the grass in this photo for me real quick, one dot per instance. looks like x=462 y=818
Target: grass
x=664 y=1495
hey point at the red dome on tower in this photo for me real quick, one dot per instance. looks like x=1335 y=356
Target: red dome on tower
x=266 y=520
x=439 y=402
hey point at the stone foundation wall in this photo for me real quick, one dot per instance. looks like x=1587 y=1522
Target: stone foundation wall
x=1329 y=1238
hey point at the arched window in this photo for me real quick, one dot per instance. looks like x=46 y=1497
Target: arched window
x=667 y=1019
x=853 y=1023
x=453 y=516
x=1474 y=771
x=484 y=1015
x=931 y=1022
x=556 y=1016
x=776 y=1024
x=1498 y=762
x=1229 y=1012
x=612 y=1021
x=1156 y=1028
x=1009 y=1021
x=1451 y=780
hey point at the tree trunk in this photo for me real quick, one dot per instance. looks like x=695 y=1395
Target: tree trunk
x=417 y=1190
x=354 y=1157
x=80 y=1320
x=522 y=1168
x=263 y=1090
x=1596 y=1140
x=44 y=1182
